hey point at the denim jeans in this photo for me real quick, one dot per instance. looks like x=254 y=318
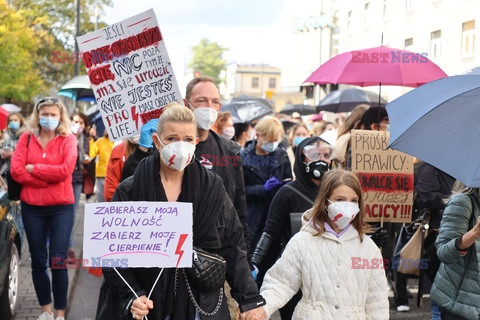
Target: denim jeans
x=436 y=314
x=57 y=221
x=77 y=193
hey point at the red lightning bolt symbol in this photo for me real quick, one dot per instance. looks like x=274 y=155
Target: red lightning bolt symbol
x=338 y=216
x=134 y=115
x=179 y=250
x=170 y=161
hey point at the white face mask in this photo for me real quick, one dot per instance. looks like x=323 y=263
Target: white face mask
x=342 y=212
x=206 y=117
x=75 y=128
x=134 y=139
x=177 y=155
x=228 y=132
x=269 y=146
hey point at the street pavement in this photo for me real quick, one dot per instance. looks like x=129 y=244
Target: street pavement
x=84 y=288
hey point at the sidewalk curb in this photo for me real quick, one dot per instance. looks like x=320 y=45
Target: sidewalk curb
x=78 y=248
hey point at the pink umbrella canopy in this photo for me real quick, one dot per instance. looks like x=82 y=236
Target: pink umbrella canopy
x=378 y=66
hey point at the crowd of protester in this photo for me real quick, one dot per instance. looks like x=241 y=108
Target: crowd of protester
x=287 y=214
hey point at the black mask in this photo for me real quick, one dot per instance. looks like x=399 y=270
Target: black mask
x=316 y=169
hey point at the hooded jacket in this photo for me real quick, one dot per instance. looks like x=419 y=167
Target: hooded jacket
x=334 y=285
x=258 y=200
x=215 y=228
x=286 y=201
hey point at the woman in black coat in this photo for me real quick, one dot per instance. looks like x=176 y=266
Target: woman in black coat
x=295 y=197
x=171 y=175
x=265 y=169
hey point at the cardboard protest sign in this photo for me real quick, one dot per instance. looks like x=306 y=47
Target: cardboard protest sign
x=130 y=72
x=386 y=177
x=138 y=234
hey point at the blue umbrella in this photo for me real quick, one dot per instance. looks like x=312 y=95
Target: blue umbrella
x=439 y=123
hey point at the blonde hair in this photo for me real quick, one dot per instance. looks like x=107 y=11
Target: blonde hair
x=354 y=119
x=269 y=127
x=332 y=180
x=318 y=128
x=294 y=129
x=63 y=128
x=174 y=112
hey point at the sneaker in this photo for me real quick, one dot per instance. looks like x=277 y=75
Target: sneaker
x=403 y=308
x=59 y=318
x=46 y=316
x=71 y=257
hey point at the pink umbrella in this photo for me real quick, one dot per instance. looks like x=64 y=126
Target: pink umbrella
x=378 y=66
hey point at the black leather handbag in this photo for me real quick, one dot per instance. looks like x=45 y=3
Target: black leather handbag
x=208 y=270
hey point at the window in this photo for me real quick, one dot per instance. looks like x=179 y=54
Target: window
x=408 y=44
x=366 y=15
x=468 y=38
x=272 y=83
x=349 y=20
x=408 y=5
x=255 y=82
x=436 y=45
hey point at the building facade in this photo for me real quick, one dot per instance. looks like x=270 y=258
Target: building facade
x=447 y=31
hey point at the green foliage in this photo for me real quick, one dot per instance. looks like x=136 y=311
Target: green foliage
x=19 y=80
x=207 y=59
x=31 y=32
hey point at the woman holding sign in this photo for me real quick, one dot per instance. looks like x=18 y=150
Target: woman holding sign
x=172 y=174
x=43 y=163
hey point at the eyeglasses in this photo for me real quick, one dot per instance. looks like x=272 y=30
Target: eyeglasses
x=46 y=101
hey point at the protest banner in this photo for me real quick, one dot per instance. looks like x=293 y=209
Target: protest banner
x=130 y=72
x=138 y=234
x=386 y=177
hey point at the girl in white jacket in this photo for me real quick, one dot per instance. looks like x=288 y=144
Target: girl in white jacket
x=339 y=270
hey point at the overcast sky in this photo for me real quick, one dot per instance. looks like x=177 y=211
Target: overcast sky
x=250 y=29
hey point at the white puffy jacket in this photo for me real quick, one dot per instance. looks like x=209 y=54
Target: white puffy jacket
x=332 y=288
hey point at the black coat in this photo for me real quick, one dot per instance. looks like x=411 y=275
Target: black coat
x=231 y=174
x=232 y=177
x=432 y=185
x=216 y=228
x=258 y=200
x=285 y=202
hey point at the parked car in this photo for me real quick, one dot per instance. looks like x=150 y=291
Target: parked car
x=10 y=246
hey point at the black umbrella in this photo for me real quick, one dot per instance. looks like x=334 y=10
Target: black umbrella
x=303 y=109
x=347 y=99
x=246 y=111
x=244 y=98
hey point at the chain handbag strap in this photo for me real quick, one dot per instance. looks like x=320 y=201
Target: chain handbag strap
x=197 y=306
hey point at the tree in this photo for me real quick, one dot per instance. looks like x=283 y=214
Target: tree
x=53 y=23
x=19 y=79
x=207 y=59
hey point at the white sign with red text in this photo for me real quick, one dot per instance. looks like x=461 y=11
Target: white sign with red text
x=130 y=72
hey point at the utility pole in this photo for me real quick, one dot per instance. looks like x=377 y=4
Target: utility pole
x=77 y=33
x=97 y=14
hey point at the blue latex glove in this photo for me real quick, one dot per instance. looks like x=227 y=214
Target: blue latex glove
x=148 y=129
x=254 y=274
x=272 y=183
